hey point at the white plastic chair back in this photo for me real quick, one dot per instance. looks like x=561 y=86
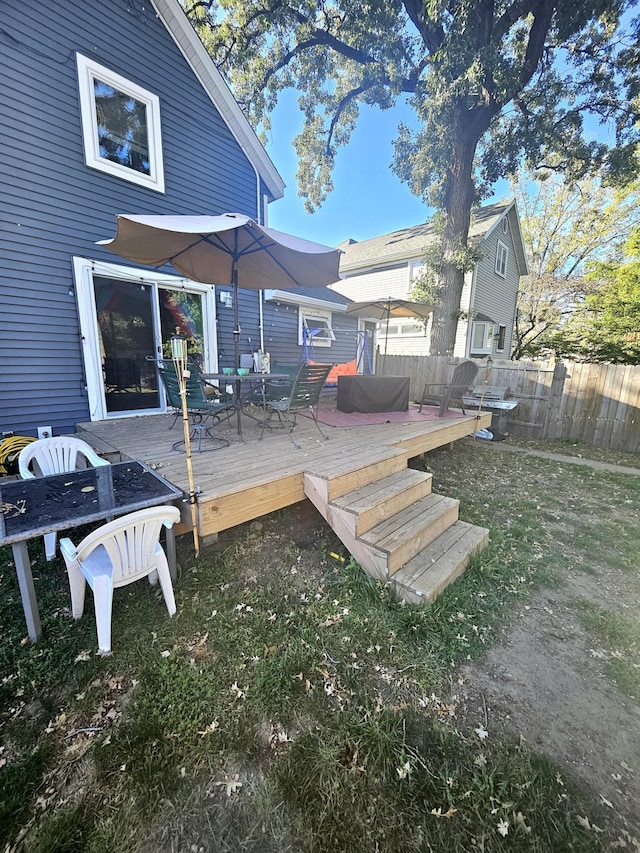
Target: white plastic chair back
x=56 y=456
x=116 y=554
x=130 y=542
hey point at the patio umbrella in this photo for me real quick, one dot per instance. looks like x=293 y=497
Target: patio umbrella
x=384 y=309
x=231 y=249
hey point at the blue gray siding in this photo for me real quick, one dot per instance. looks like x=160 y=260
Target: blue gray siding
x=281 y=332
x=53 y=207
x=494 y=295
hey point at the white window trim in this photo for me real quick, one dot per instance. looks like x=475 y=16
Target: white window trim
x=502 y=348
x=88 y=70
x=487 y=338
x=415 y=269
x=83 y=271
x=502 y=251
x=306 y=302
x=316 y=340
x=403 y=329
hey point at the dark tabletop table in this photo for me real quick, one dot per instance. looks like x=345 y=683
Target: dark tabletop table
x=31 y=508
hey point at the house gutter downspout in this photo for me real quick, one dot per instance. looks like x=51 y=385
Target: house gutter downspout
x=262 y=220
x=472 y=296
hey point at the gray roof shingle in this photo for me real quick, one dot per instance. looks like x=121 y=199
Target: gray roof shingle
x=411 y=242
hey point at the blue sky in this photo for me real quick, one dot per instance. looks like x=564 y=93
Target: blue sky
x=368 y=199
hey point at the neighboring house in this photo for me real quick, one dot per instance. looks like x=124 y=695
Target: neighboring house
x=110 y=108
x=388 y=266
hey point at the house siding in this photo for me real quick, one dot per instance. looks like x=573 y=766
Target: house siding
x=53 y=207
x=404 y=345
x=494 y=295
x=281 y=335
x=484 y=291
x=376 y=284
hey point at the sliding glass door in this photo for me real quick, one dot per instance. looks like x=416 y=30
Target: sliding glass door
x=127 y=321
x=127 y=337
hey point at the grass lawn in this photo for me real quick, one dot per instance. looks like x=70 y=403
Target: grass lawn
x=292 y=704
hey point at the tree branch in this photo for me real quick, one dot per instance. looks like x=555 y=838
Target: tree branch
x=432 y=36
x=535 y=45
x=350 y=96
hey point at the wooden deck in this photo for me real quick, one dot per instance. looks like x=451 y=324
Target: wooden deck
x=250 y=477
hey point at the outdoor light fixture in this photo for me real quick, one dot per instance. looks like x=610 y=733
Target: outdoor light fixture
x=179 y=357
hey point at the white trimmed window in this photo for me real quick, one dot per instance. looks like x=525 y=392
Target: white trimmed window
x=415 y=269
x=398 y=328
x=481 y=338
x=120 y=126
x=314 y=328
x=501 y=338
x=502 y=255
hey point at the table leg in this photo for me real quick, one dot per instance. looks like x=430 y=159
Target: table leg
x=237 y=398
x=27 y=590
x=170 y=544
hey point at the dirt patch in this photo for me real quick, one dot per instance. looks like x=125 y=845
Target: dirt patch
x=548 y=681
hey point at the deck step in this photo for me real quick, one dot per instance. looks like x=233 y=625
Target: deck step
x=338 y=476
x=371 y=504
x=409 y=531
x=426 y=575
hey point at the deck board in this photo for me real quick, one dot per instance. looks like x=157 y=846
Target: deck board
x=252 y=477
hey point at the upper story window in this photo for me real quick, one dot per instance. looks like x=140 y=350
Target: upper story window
x=502 y=255
x=120 y=126
x=314 y=328
x=415 y=269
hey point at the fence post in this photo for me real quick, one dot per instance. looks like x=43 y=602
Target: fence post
x=556 y=392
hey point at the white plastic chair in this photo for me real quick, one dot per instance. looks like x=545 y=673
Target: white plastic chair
x=117 y=554
x=55 y=456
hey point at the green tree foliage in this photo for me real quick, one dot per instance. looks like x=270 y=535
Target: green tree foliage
x=491 y=81
x=564 y=227
x=606 y=326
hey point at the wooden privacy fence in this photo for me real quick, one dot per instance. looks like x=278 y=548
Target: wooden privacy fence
x=595 y=403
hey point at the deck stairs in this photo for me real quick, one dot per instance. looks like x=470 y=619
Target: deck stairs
x=396 y=528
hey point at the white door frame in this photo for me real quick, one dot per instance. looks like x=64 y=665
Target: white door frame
x=83 y=271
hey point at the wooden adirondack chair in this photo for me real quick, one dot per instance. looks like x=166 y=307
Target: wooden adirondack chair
x=439 y=394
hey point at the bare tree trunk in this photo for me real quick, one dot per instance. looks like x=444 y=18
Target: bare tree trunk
x=459 y=201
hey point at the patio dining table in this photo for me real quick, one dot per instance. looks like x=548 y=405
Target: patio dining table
x=31 y=508
x=236 y=380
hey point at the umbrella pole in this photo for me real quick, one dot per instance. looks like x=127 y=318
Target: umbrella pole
x=236 y=340
x=236 y=314
x=179 y=355
x=386 y=334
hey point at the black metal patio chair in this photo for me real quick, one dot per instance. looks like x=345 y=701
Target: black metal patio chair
x=451 y=392
x=204 y=411
x=264 y=387
x=303 y=396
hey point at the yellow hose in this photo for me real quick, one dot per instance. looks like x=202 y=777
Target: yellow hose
x=10 y=450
